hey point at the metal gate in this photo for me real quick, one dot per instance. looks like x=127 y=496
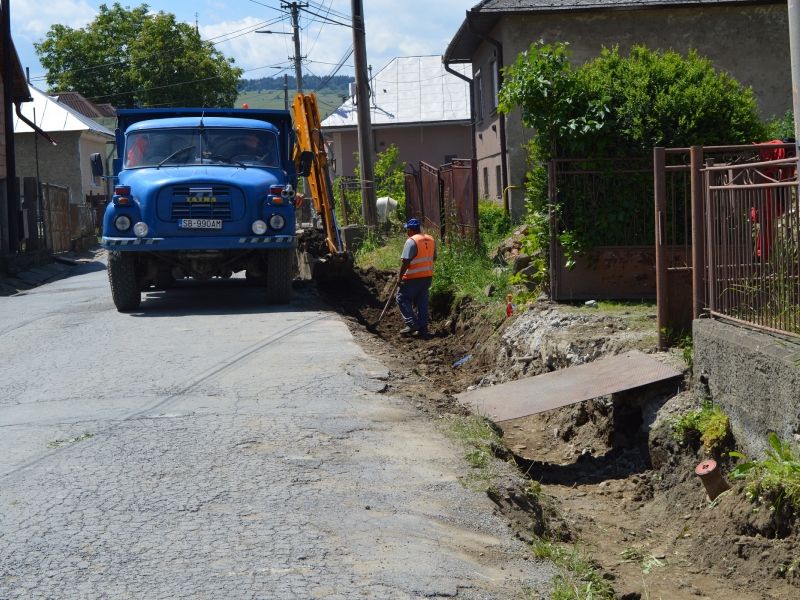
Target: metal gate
x=460 y=197
x=431 y=196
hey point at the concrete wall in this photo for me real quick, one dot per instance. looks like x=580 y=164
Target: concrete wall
x=429 y=143
x=735 y=38
x=753 y=377
x=65 y=165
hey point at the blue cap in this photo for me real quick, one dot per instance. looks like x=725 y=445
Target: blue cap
x=412 y=224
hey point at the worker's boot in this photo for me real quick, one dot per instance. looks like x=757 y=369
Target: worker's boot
x=408 y=330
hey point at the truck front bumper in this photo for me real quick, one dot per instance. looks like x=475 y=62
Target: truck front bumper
x=199 y=243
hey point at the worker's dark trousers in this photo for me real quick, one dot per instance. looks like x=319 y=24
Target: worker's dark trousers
x=414 y=290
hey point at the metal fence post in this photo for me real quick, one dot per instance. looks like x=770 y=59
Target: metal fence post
x=660 y=193
x=698 y=247
x=551 y=211
x=710 y=261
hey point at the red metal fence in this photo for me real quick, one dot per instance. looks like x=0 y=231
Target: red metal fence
x=445 y=199
x=734 y=206
x=753 y=248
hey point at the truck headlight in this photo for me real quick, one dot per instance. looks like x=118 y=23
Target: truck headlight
x=141 y=229
x=277 y=222
x=259 y=227
x=122 y=223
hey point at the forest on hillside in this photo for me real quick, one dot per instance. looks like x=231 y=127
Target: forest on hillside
x=338 y=84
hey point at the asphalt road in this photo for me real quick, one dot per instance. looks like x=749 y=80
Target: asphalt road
x=208 y=446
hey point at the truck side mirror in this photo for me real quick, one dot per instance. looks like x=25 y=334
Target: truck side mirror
x=306 y=161
x=97 y=164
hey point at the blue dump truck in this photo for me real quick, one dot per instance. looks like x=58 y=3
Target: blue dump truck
x=202 y=193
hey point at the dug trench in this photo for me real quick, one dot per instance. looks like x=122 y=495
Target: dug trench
x=605 y=475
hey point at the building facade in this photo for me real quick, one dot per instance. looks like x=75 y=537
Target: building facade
x=417 y=106
x=734 y=34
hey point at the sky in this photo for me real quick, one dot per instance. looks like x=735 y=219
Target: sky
x=393 y=28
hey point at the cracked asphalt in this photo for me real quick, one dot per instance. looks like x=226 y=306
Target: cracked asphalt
x=209 y=446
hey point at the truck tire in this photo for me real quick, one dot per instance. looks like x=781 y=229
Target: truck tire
x=122 y=277
x=279 y=276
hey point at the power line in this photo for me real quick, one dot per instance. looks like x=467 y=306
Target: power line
x=347 y=55
x=320 y=31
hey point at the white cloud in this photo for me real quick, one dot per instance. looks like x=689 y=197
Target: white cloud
x=33 y=18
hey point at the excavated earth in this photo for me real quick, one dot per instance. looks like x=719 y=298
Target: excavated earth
x=612 y=476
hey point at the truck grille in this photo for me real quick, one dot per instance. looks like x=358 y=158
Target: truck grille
x=201 y=210
x=196 y=202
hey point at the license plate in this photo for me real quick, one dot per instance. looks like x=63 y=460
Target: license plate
x=200 y=223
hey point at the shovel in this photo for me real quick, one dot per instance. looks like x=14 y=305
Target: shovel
x=372 y=326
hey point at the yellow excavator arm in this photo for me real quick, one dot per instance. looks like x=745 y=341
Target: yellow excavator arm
x=310 y=140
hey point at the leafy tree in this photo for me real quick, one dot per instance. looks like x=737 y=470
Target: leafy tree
x=132 y=58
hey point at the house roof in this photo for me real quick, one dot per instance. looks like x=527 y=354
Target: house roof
x=86 y=107
x=410 y=90
x=484 y=16
x=21 y=93
x=53 y=116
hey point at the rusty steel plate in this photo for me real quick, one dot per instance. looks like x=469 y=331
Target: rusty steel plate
x=534 y=395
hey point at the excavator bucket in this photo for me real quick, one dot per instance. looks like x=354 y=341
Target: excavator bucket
x=338 y=262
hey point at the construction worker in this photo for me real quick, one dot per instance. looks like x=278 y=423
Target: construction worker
x=139 y=151
x=414 y=280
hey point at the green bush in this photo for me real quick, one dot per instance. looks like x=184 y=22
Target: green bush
x=493 y=222
x=709 y=422
x=781 y=128
x=616 y=107
x=778 y=476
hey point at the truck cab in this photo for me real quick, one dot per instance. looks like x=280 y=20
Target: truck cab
x=201 y=193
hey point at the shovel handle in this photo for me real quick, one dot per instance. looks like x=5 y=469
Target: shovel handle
x=388 y=301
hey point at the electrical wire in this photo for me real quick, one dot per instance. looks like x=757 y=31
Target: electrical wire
x=319 y=32
x=347 y=55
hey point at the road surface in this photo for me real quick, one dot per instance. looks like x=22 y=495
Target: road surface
x=208 y=446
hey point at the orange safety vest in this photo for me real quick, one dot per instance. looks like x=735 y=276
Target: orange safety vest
x=422 y=263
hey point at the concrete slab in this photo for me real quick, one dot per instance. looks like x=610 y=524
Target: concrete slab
x=533 y=395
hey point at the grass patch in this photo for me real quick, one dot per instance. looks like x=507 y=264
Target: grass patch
x=482 y=443
x=777 y=477
x=637 y=555
x=61 y=443
x=382 y=253
x=709 y=422
x=578 y=579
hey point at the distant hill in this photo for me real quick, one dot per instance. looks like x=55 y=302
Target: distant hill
x=267 y=92
x=338 y=84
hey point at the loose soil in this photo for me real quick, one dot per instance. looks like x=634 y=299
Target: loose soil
x=618 y=481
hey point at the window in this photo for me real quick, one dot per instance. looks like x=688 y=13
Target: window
x=499 y=175
x=495 y=84
x=479 y=94
x=485 y=193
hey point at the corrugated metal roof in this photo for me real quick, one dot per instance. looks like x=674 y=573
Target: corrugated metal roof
x=53 y=116
x=412 y=89
x=86 y=107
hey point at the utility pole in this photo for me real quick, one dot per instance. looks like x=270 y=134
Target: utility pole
x=294 y=9
x=794 y=50
x=364 y=118
x=286 y=91
x=9 y=216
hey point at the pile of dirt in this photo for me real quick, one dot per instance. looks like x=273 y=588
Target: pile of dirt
x=313 y=241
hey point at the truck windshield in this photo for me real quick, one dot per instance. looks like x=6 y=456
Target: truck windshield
x=219 y=146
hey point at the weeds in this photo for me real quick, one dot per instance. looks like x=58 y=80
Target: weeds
x=777 y=476
x=708 y=421
x=379 y=252
x=61 y=443
x=578 y=578
x=480 y=439
x=636 y=555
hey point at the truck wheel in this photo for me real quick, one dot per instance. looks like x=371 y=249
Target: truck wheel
x=122 y=277
x=279 y=276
